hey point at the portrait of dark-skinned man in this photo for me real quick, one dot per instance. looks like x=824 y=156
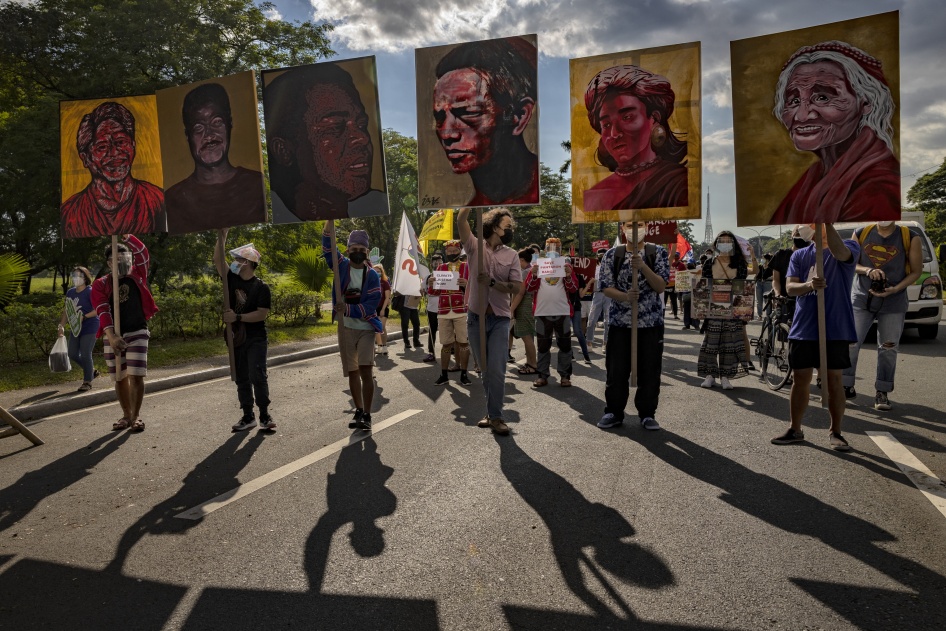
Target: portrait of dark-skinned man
x=114 y=202
x=216 y=194
x=320 y=146
x=483 y=101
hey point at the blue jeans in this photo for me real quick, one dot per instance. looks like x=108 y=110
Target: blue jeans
x=497 y=349
x=579 y=334
x=80 y=352
x=762 y=287
x=889 y=328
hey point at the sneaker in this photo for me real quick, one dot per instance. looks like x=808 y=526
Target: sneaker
x=483 y=422
x=267 y=423
x=499 y=427
x=587 y=360
x=881 y=402
x=609 y=420
x=751 y=365
x=442 y=380
x=429 y=357
x=849 y=392
x=726 y=384
x=384 y=350
x=465 y=380
x=837 y=442
x=418 y=344
x=789 y=437
x=245 y=423
x=356 y=419
x=377 y=349
x=709 y=382
x=365 y=422
x=96 y=374
x=649 y=422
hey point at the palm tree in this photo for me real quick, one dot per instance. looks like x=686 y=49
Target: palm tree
x=13 y=271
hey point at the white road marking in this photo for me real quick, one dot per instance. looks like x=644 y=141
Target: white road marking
x=932 y=487
x=202 y=510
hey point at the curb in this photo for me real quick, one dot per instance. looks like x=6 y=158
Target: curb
x=69 y=403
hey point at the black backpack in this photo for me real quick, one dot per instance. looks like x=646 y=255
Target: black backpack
x=620 y=252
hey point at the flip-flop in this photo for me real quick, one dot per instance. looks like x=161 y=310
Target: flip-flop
x=527 y=370
x=138 y=426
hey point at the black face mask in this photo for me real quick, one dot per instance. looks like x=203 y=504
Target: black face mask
x=452 y=257
x=508 y=234
x=358 y=257
x=799 y=243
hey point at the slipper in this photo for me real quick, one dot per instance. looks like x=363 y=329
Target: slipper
x=138 y=426
x=527 y=370
x=120 y=424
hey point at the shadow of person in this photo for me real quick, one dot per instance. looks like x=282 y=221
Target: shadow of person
x=355 y=493
x=21 y=497
x=574 y=523
x=215 y=474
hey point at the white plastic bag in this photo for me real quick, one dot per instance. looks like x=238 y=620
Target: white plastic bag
x=59 y=356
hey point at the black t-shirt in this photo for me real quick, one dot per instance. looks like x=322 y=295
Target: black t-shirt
x=766 y=272
x=779 y=263
x=129 y=306
x=246 y=296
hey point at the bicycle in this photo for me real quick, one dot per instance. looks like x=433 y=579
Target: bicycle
x=772 y=344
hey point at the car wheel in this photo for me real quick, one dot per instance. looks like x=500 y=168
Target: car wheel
x=927 y=331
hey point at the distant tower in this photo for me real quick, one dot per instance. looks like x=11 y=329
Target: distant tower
x=708 y=237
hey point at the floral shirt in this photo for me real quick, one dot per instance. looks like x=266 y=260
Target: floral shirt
x=650 y=311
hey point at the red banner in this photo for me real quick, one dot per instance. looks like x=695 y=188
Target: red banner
x=597 y=245
x=662 y=232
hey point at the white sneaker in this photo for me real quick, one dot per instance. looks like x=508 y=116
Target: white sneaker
x=726 y=384
x=709 y=382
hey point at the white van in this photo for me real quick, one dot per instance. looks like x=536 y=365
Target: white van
x=925 y=309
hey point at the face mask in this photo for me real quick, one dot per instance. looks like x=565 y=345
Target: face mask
x=358 y=257
x=551 y=254
x=508 y=234
x=884 y=224
x=124 y=266
x=235 y=267
x=78 y=280
x=799 y=243
x=724 y=248
x=452 y=257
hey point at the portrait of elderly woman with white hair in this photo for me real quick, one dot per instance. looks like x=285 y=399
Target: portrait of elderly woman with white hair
x=835 y=102
x=630 y=108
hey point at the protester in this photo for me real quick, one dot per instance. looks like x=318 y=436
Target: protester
x=676 y=265
x=433 y=306
x=358 y=313
x=126 y=355
x=524 y=326
x=452 y=314
x=615 y=279
x=724 y=353
x=804 y=354
x=763 y=283
x=553 y=312
x=250 y=302
x=82 y=340
x=500 y=279
x=801 y=238
x=890 y=261
x=600 y=307
x=576 y=298
x=410 y=315
x=686 y=299
x=384 y=309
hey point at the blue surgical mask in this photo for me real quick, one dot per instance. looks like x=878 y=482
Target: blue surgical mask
x=552 y=254
x=235 y=267
x=724 y=248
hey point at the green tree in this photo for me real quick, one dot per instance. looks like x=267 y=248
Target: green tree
x=52 y=50
x=929 y=196
x=552 y=217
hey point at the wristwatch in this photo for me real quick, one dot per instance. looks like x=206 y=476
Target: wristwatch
x=239 y=317
x=492 y=282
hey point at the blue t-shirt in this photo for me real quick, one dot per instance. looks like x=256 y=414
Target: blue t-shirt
x=839 y=314
x=83 y=302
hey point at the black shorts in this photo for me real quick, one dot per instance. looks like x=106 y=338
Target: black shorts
x=807 y=354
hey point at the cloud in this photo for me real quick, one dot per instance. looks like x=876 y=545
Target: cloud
x=718 y=151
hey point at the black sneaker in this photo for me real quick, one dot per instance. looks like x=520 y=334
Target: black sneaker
x=245 y=423
x=442 y=380
x=464 y=379
x=267 y=423
x=837 y=442
x=359 y=413
x=881 y=402
x=849 y=392
x=789 y=437
x=365 y=422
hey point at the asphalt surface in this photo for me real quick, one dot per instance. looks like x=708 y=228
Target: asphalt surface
x=434 y=523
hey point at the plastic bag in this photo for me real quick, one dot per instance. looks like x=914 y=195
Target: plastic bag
x=59 y=356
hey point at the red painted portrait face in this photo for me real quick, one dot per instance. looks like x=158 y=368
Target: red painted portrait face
x=625 y=128
x=111 y=153
x=341 y=153
x=821 y=109
x=208 y=137
x=466 y=118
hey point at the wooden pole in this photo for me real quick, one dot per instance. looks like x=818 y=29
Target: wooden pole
x=484 y=288
x=116 y=309
x=17 y=427
x=336 y=280
x=822 y=324
x=634 y=308
x=221 y=246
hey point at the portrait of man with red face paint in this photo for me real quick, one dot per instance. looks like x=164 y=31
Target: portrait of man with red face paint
x=216 y=193
x=114 y=202
x=481 y=105
x=324 y=145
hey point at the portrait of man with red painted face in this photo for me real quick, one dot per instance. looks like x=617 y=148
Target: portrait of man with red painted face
x=324 y=141
x=114 y=201
x=478 y=101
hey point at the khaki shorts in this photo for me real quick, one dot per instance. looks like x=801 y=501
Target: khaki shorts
x=356 y=346
x=452 y=330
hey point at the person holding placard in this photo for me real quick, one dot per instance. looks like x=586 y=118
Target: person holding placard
x=551 y=284
x=83 y=323
x=615 y=277
x=804 y=354
x=126 y=355
x=448 y=284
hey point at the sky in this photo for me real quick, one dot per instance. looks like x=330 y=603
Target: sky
x=392 y=29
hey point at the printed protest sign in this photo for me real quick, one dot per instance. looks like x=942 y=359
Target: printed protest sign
x=446 y=280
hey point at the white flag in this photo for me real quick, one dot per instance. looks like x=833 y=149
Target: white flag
x=411 y=266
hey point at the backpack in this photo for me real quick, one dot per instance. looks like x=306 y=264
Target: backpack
x=905 y=235
x=620 y=252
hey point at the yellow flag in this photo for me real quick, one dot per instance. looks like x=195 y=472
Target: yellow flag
x=439 y=227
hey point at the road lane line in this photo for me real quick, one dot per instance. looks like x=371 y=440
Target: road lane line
x=930 y=485
x=202 y=510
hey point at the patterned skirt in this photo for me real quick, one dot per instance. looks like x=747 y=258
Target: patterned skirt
x=723 y=353
x=525 y=321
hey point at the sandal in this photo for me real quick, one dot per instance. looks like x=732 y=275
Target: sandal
x=527 y=369
x=138 y=426
x=120 y=424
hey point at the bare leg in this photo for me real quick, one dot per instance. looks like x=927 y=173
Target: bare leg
x=123 y=390
x=354 y=384
x=529 y=343
x=445 y=352
x=836 y=400
x=799 y=398
x=463 y=356
x=367 y=387
x=136 y=396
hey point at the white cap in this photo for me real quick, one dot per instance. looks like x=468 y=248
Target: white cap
x=247 y=252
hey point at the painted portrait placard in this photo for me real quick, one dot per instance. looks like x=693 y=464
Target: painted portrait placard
x=110 y=156
x=323 y=141
x=636 y=143
x=211 y=154
x=478 y=124
x=816 y=123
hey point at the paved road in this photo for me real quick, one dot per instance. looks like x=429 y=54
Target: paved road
x=433 y=523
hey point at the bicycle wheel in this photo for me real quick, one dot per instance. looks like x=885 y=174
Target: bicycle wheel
x=762 y=345
x=779 y=373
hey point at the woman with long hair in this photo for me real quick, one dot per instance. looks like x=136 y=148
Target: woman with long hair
x=84 y=325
